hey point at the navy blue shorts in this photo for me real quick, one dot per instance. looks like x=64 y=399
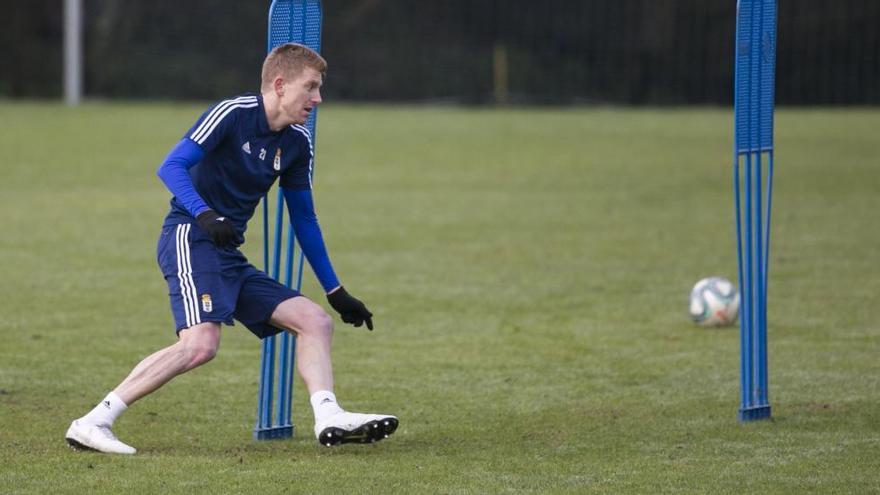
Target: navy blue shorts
x=206 y=283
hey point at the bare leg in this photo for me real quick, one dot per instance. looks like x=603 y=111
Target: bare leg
x=197 y=345
x=314 y=333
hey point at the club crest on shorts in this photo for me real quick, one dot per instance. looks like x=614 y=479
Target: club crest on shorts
x=277 y=163
x=207 y=305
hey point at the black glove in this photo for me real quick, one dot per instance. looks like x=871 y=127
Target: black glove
x=219 y=228
x=350 y=308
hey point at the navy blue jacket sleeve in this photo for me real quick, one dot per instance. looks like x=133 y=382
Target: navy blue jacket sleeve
x=174 y=172
x=299 y=176
x=308 y=233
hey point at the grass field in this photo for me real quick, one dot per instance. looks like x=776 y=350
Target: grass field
x=529 y=272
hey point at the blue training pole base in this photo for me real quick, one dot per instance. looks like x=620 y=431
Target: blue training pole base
x=274 y=433
x=754 y=413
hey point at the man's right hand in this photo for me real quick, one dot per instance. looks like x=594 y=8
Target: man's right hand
x=219 y=228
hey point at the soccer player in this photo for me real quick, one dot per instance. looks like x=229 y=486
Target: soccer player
x=218 y=173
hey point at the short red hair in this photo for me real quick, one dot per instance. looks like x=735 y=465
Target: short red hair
x=288 y=61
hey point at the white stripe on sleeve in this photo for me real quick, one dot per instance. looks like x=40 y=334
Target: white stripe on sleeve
x=218 y=113
x=305 y=132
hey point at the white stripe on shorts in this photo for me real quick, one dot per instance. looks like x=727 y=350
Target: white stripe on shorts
x=184 y=276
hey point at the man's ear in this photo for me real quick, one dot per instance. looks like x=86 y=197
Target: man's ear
x=278 y=86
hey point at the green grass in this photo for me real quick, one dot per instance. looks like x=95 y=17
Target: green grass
x=528 y=270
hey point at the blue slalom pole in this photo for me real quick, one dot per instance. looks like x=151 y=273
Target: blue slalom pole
x=289 y=21
x=753 y=188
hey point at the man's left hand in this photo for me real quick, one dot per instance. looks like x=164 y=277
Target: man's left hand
x=351 y=309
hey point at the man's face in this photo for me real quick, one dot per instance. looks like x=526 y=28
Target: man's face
x=301 y=95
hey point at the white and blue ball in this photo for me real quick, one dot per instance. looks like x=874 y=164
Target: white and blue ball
x=714 y=302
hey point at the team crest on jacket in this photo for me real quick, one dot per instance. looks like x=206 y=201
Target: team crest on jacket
x=277 y=163
x=207 y=305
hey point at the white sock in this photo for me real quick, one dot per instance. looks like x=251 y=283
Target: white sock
x=324 y=404
x=106 y=412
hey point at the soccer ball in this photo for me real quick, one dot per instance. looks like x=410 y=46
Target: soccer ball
x=714 y=302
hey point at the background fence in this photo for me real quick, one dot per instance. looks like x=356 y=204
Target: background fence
x=460 y=51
